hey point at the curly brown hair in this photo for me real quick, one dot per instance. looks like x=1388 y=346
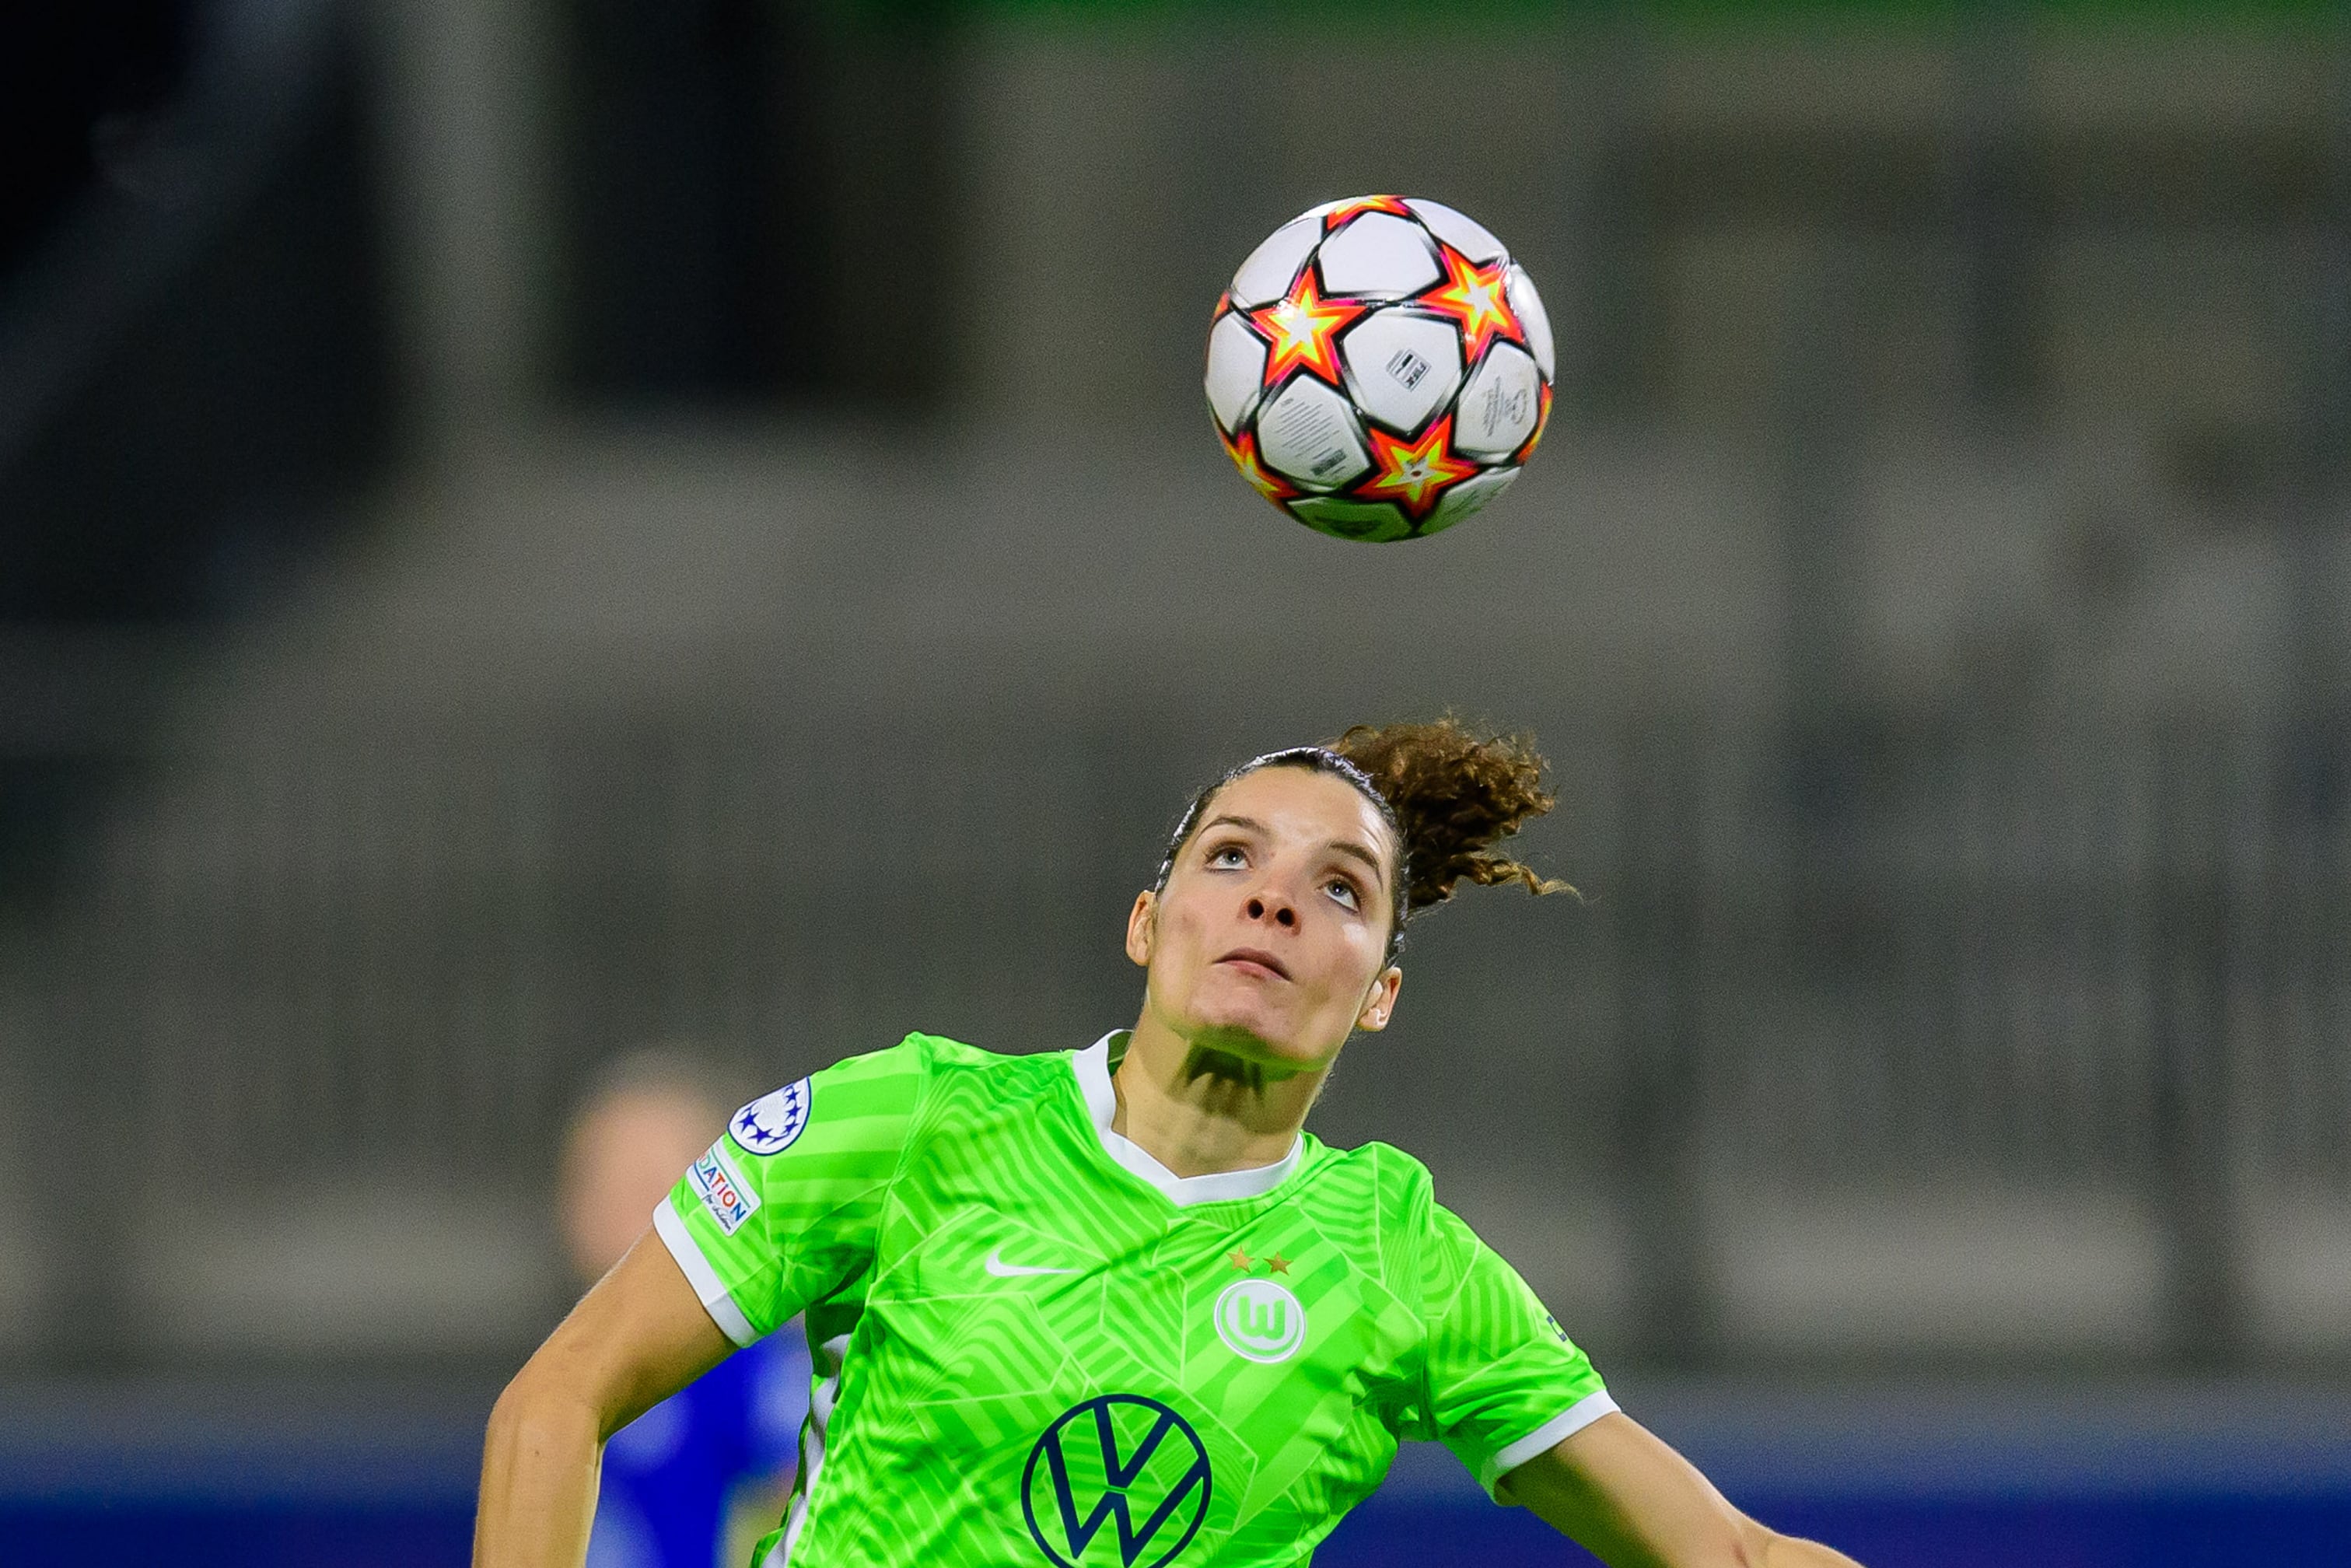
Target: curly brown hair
x=1446 y=793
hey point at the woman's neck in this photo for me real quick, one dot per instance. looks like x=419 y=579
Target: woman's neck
x=1199 y=1111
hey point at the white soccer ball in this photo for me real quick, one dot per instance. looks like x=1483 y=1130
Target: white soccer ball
x=1380 y=368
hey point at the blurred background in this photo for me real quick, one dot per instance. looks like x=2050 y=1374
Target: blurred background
x=529 y=528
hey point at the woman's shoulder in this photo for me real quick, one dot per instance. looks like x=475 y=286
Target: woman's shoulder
x=931 y=1053
x=944 y=1055
x=968 y=1076
x=1380 y=1171
x=894 y=1080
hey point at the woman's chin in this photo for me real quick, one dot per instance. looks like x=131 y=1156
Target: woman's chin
x=1265 y=1041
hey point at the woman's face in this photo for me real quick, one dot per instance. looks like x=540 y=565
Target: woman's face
x=1270 y=940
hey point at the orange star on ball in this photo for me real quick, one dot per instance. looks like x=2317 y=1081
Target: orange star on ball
x=1242 y=450
x=1303 y=329
x=1415 y=473
x=1542 y=418
x=1474 y=296
x=1341 y=212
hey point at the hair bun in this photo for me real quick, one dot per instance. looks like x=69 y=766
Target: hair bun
x=1456 y=796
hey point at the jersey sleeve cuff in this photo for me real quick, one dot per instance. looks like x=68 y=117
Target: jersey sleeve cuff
x=1564 y=1425
x=702 y=1276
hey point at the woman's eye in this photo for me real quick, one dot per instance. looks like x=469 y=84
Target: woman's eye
x=1228 y=855
x=1344 y=891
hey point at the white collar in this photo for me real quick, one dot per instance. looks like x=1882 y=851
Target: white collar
x=1092 y=1068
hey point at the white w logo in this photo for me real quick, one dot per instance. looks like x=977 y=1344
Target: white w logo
x=1264 y=1321
x=1260 y=1320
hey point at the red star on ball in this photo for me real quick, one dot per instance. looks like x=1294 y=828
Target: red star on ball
x=1271 y=485
x=1415 y=473
x=1303 y=328
x=1473 y=296
x=1341 y=213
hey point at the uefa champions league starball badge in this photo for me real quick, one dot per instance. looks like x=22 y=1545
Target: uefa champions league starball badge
x=769 y=1125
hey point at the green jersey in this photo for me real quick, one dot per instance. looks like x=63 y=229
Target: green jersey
x=1036 y=1345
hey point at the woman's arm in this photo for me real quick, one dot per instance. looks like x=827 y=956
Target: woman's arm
x=1632 y=1502
x=636 y=1338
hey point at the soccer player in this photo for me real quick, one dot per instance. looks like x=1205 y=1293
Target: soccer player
x=1114 y=1305
x=677 y=1478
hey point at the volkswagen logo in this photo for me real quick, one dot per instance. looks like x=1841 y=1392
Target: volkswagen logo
x=1120 y=1460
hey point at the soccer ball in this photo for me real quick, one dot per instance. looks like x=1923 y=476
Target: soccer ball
x=1380 y=368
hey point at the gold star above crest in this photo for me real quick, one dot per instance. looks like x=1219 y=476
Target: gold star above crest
x=1238 y=1260
x=1277 y=1264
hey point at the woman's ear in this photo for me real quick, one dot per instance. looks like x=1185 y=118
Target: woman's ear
x=1140 y=922
x=1380 y=1006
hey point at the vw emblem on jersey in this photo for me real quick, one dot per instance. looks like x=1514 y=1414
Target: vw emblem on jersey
x=1121 y=1460
x=1260 y=1320
x=769 y=1125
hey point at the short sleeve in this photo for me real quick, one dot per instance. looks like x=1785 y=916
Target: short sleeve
x=782 y=1209
x=1504 y=1381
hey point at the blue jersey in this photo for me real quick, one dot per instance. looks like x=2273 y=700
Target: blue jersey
x=671 y=1474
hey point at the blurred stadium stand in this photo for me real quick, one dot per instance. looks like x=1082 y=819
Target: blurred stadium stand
x=577 y=525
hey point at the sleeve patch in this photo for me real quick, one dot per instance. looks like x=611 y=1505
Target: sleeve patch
x=769 y=1125
x=722 y=1189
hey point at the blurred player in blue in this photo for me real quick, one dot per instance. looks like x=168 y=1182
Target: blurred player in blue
x=696 y=1479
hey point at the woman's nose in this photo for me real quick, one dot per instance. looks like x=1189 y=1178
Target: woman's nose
x=1282 y=914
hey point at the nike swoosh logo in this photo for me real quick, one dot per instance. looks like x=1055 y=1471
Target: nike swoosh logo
x=1003 y=1271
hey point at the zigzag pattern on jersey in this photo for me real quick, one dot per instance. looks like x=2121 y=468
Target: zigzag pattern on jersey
x=1144 y=1318
x=1360 y=1332
x=987 y=1365
x=815 y=1227
x=929 y=1211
